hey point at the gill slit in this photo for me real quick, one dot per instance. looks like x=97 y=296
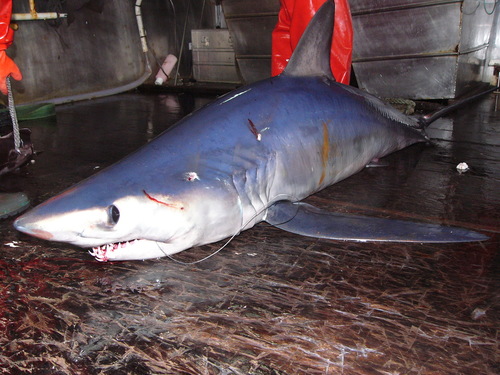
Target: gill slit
x=277 y=198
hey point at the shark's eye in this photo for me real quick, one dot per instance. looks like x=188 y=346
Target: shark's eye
x=113 y=214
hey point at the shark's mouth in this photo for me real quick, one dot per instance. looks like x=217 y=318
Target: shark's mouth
x=112 y=251
x=137 y=249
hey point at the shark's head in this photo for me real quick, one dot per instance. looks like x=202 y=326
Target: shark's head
x=141 y=225
x=123 y=221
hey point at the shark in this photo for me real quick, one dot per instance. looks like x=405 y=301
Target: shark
x=251 y=155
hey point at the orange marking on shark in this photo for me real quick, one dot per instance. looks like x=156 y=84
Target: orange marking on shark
x=325 y=152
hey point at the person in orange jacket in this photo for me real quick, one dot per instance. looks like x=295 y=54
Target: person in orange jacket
x=293 y=18
x=10 y=203
x=7 y=66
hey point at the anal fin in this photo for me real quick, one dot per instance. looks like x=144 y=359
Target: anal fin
x=306 y=220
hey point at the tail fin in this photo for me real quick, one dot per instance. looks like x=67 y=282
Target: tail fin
x=428 y=119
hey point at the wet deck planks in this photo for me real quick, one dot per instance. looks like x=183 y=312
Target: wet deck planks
x=271 y=302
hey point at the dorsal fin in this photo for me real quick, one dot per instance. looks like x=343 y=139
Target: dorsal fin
x=312 y=54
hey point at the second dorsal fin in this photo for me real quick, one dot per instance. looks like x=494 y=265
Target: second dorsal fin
x=312 y=54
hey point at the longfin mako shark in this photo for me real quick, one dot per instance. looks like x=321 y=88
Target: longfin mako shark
x=249 y=156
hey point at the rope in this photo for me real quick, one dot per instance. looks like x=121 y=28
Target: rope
x=13 y=116
x=404 y=105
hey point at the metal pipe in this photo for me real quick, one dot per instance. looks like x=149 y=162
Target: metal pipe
x=32 y=8
x=33 y=15
x=140 y=25
x=144 y=42
x=37 y=16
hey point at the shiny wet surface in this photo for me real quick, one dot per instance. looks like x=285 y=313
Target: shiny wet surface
x=271 y=302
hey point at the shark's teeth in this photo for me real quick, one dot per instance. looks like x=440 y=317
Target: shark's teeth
x=100 y=253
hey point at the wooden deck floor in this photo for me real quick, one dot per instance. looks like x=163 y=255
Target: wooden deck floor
x=271 y=302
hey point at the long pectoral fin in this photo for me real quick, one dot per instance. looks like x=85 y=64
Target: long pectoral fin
x=306 y=220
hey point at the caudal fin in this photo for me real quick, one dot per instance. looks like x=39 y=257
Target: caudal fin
x=428 y=119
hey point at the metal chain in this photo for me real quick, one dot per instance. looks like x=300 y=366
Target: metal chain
x=13 y=116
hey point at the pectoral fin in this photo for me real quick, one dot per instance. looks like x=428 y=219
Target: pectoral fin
x=306 y=220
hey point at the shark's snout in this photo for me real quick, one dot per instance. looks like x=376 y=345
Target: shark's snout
x=27 y=225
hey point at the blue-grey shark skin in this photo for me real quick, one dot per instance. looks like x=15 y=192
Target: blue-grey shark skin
x=219 y=170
